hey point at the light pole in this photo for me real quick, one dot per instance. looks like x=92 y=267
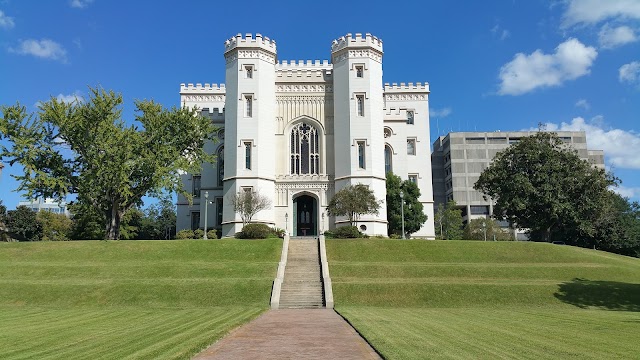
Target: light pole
x=402 y=210
x=286 y=223
x=484 y=229
x=206 y=208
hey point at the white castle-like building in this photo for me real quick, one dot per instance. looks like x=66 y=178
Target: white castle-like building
x=298 y=132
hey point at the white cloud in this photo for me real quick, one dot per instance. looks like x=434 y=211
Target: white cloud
x=620 y=146
x=589 y=12
x=440 y=113
x=80 y=4
x=525 y=73
x=628 y=192
x=6 y=21
x=610 y=38
x=45 y=48
x=68 y=98
x=583 y=103
x=630 y=72
x=500 y=33
x=76 y=96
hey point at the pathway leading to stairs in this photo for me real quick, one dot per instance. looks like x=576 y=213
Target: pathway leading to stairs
x=292 y=334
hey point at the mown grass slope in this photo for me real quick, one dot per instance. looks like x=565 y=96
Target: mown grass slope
x=464 y=299
x=129 y=299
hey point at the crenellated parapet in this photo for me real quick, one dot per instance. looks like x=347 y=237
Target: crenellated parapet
x=250 y=47
x=214 y=114
x=249 y=41
x=403 y=87
x=406 y=92
x=202 y=89
x=296 y=71
x=357 y=41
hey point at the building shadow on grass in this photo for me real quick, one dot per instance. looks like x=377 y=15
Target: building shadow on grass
x=606 y=295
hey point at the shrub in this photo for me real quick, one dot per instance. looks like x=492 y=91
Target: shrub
x=255 y=231
x=347 y=232
x=278 y=232
x=184 y=234
x=329 y=234
x=212 y=234
x=198 y=234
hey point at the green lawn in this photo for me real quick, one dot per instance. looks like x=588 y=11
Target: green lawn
x=464 y=299
x=129 y=299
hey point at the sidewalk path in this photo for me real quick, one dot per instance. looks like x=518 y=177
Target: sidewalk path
x=292 y=334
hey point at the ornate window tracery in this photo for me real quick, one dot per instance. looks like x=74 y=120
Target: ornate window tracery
x=305 y=150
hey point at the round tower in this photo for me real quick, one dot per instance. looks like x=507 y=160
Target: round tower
x=358 y=121
x=249 y=124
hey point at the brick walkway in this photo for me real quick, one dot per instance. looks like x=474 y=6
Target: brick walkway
x=292 y=334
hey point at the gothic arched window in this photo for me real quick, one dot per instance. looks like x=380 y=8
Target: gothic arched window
x=220 y=162
x=388 y=160
x=305 y=150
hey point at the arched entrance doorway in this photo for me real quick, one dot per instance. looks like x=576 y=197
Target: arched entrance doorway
x=305 y=208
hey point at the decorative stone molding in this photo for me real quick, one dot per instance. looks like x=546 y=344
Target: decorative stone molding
x=204 y=98
x=357 y=54
x=250 y=54
x=304 y=88
x=405 y=97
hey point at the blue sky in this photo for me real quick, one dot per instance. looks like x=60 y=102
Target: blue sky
x=491 y=65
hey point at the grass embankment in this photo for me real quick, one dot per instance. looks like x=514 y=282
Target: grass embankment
x=464 y=299
x=129 y=299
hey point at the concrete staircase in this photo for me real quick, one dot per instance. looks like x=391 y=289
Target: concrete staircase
x=302 y=286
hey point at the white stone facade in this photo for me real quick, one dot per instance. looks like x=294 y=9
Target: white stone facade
x=298 y=131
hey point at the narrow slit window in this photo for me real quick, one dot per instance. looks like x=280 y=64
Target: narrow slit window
x=411 y=146
x=410 y=116
x=360 y=104
x=196 y=186
x=248 y=106
x=247 y=155
x=359 y=71
x=361 y=155
x=249 y=71
x=413 y=178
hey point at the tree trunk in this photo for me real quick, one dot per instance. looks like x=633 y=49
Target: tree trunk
x=114 y=217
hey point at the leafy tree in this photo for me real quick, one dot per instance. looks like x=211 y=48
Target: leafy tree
x=448 y=221
x=4 y=231
x=55 y=227
x=248 y=203
x=540 y=184
x=23 y=225
x=474 y=230
x=354 y=201
x=159 y=221
x=88 y=221
x=86 y=148
x=414 y=216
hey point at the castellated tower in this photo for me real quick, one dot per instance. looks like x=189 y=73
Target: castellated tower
x=249 y=124
x=358 y=123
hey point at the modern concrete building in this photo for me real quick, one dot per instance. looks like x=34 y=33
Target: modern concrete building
x=46 y=205
x=299 y=131
x=459 y=158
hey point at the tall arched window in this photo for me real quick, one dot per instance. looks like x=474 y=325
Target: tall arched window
x=388 y=160
x=220 y=162
x=305 y=150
